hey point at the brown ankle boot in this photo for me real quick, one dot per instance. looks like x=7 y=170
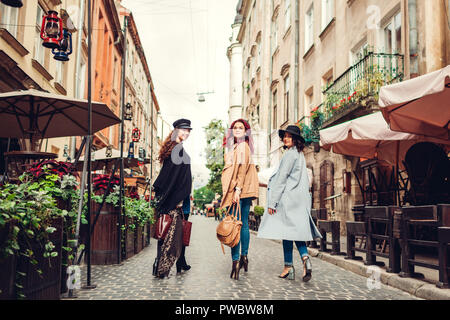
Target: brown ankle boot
x=235 y=270
x=243 y=263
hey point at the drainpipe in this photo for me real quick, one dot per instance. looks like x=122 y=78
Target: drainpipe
x=297 y=49
x=73 y=141
x=151 y=141
x=413 y=39
x=269 y=125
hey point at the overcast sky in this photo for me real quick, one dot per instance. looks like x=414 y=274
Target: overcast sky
x=185 y=43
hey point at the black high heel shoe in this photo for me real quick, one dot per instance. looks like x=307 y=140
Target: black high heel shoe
x=155 y=267
x=307 y=267
x=243 y=263
x=290 y=274
x=185 y=267
x=235 y=270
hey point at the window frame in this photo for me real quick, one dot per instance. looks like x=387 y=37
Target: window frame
x=327 y=12
x=275 y=109
x=38 y=53
x=309 y=28
x=391 y=21
x=287 y=86
x=287 y=15
x=8 y=20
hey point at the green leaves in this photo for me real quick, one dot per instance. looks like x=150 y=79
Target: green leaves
x=50 y=229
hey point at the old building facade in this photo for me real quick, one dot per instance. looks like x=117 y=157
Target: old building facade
x=140 y=94
x=300 y=56
x=26 y=64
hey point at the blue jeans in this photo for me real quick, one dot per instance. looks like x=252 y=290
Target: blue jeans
x=187 y=205
x=288 y=246
x=245 y=230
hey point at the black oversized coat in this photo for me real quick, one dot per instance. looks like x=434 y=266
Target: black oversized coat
x=174 y=181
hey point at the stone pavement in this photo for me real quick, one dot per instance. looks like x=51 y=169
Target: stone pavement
x=423 y=288
x=209 y=277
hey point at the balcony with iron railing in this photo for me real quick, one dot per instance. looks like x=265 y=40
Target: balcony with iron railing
x=355 y=92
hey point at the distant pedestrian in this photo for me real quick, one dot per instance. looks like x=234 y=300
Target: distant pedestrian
x=239 y=185
x=288 y=213
x=172 y=187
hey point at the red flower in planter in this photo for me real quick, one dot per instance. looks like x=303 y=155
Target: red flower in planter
x=315 y=109
x=134 y=195
x=55 y=167
x=101 y=183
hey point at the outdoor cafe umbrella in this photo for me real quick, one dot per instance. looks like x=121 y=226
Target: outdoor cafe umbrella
x=420 y=105
x=34 y=115
x=370 y=137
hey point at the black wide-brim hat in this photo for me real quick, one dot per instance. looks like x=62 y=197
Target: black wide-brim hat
x=294 y=131
x=182 y=124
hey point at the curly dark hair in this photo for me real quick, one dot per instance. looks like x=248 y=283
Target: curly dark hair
x=167 y=146
x=297 y=143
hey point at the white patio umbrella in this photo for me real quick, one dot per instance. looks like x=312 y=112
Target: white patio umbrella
x=369 y=137
x=420 y=105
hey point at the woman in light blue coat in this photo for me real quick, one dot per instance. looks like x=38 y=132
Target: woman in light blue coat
x=288 y=213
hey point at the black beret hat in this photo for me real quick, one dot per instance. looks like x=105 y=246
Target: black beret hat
x=182 y=124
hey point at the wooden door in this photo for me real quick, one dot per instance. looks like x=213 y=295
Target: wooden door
x=326 y=182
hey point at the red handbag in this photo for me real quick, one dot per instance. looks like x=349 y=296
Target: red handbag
x=187 y=226
x=162 y=226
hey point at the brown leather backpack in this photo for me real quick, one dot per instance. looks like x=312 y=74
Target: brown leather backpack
x=229 y=229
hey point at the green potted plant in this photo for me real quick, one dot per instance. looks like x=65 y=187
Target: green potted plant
x=32 y=229
x=259 y=212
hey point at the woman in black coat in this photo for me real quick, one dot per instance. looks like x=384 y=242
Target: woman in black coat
x=172 y=186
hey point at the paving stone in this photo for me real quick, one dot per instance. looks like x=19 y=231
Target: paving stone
x=209 y=277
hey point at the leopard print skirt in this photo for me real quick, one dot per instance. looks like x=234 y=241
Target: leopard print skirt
x=172 y=244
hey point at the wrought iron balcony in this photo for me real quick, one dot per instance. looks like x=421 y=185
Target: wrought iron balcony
x=355 y=92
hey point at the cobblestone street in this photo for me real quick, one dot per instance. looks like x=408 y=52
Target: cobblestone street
x=209 y=277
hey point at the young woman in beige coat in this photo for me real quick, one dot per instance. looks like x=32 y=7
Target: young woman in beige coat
x=239 y=184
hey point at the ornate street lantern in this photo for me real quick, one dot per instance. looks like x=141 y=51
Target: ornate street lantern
x=66 y=152
x=109 y=152
x=128 y=112
x=142 y=153
x=65 y=47
x=131 y=150
x=136 y=134
x=13 y=3
x=51 y=30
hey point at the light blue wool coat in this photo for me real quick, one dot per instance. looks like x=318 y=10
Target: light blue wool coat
x=288 y=193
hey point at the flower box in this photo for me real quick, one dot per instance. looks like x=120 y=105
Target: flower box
x=8 y=269
x=104 y=238
x=138 y=241
x=48 y=285
x=128 y=238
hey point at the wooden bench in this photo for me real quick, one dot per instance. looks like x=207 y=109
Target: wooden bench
x=444 y=263
x=332 y=227
x=379 y=222
x=431 y=216
x=317 y=214
x=354 y=229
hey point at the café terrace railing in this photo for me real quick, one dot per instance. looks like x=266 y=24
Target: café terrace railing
x=358 y=87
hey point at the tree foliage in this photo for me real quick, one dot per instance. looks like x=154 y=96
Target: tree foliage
x=214 y=154
x=203 y=196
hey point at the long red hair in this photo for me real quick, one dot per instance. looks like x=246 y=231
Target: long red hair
x=229 y=140
x=167 y=146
